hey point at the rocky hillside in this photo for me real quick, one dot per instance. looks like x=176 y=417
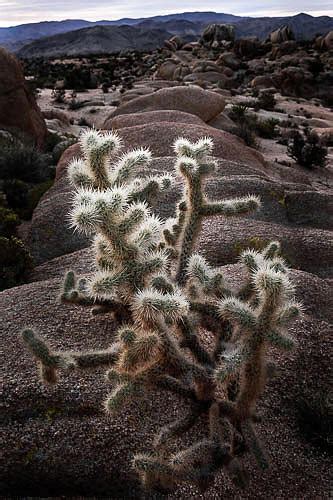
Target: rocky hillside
x=189 y=24
x=58 y=440
x=100 y=39
x=16 y=36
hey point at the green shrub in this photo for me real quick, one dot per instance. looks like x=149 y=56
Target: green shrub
x=245 y=124
x=35 y=195
x=52 y=140
x=266 y=128
x=266 y=100
x=245 y=132
x=307 y=150
x=8 y=221
x=58 y=96
x=238 y=112
x=16 y=192
x=15 y=262
x=23 y=198
x=23 y=162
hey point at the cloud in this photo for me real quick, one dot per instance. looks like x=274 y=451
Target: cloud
x=23 y=11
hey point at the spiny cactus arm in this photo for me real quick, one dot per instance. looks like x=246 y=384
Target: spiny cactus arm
x=173 y=232
x=148 y=236
x=148 y=188
x=191 y=341
x=238 y=312
x=253 y=260
x=97 y=149
x=254 y=444
x=280 y=340
x=141 y=355
x=75 y=291
x=49 y=361
x=149 y=306
x=197 y=463
x=79 y=175
x=154 y=472
x=177 y=428
x=230 y=364
x=52 y=361
x=291 y=310
x=172 y=384
x=162 y=284
x=127 y=166
x=237 y=206
x=134 y=216
x=198 y=151
x=210 y=281
x=152 y=262
x=121 y=393
x=177 y=359
x=94 y=359
x=273 y=289
x=194 y=201
x=272 y=250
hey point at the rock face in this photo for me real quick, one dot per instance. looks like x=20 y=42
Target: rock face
x=282 y=34
x=204 y=104
x=147 y=117
x=19 y=112
x=216 y=35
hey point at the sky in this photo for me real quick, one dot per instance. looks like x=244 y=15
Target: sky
x=14 y=12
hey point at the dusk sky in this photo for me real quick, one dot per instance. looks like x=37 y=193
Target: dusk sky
x=15 y=12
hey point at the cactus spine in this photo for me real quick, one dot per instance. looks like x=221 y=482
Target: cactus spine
x=161 y=293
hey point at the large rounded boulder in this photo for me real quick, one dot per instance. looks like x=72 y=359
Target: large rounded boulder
x=19 y=112
x=189 y=99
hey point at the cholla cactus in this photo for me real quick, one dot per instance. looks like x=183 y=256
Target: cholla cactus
x=161 y=294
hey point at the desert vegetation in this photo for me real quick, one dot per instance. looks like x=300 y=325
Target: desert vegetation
x=165 y=217
x=162 y=294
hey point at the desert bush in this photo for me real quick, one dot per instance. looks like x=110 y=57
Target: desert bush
x=52 y=139
x=15 y=262
x=161 y=294
x=238 y=112
x=307 y=150
x=58 y=96
x=266 y=100
x=22 y=161
x=16 y=192
x=23 y=197
x=246 y=132
x=245 y=128
x=8 y=221
x=266 y=128
x=79 y=79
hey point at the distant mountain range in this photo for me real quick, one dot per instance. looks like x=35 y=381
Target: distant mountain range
x=74 y=37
